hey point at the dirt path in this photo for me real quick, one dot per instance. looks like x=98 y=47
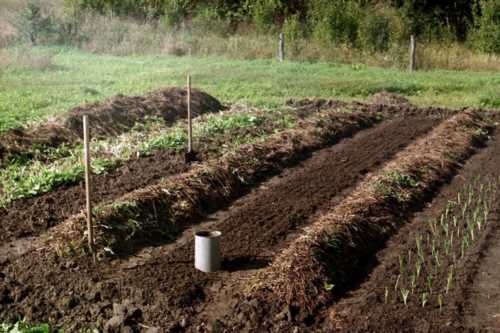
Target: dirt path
x=163 y=283
x=365 y=308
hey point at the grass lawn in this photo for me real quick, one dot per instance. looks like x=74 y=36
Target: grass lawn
x=76 y=77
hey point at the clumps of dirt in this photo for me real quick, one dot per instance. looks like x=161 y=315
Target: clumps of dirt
x=314 y=104
x=386 y=103
x=160 y=211
x=387 y=98
x=338 y=247
x=109 y=118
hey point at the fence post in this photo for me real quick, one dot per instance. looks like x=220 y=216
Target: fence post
x=189 y=116
x=281 y=49
x=413 y=56
x=86 y=161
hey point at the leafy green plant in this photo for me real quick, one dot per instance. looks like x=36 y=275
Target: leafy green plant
x=23 y=327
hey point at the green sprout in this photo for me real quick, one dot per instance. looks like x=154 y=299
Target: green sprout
x=424 y=299
x=449 y=280
x=405 y=293
x=397 y=282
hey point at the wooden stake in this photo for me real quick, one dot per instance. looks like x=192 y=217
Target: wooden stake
x=281 y=49
x=413 y=56
x=86 y=160
x=190 y=119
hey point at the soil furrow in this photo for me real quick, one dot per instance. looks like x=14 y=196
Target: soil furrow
x=165 y=286
x=471 y=303
x=31 y=216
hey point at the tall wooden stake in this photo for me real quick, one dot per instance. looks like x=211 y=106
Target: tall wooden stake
x=86 y=160
x=190 y=118
x=413 y=56
x=281 y=48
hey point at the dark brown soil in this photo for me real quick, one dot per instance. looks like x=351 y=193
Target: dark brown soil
x=465 y=308
x=387 y=98
x=160 y=287
x=111 y=117
x=31 y=216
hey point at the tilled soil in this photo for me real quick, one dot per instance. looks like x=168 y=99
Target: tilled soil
x=470 y=305
x=31 y=216
x=110 y=117
x=162 y=288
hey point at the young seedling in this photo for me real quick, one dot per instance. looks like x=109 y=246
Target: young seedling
x=464 y=210
x=446 y=244
x=440 y=302
x=449 y=280
x=418 y=268
x=436 y=258
x=413 y=280
x=405 y=293
x=429 y=283
x=386 y=295
x=401 y=264
x=397 y=283
x=446 y=229
x=409 y=257
x=424 y=299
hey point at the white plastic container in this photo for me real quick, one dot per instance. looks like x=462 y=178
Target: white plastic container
x=207 y=251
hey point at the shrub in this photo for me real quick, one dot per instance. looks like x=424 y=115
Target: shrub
x=336 y=21
x=208 y=19
x=264 y=12
x=33 y=23
x=174 y=12
x=487 y=32
x=375 y=32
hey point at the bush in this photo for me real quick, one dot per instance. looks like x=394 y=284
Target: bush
x=208 y=19
x=375 y=32
x=174 y=12
x=335 y=21
x=487 y=32
x=34 y=23
x=264 y=12
x=292 y=28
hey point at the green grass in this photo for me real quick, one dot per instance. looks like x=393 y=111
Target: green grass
x=76 y=77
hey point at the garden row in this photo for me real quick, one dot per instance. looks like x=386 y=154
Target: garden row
x=164 y=209
x=338 y=248
x=159 y=283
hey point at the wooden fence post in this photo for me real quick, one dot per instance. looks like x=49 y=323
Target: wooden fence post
x=86 y=160
x=189 y=116
x=281 y=49
x=413 y=56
